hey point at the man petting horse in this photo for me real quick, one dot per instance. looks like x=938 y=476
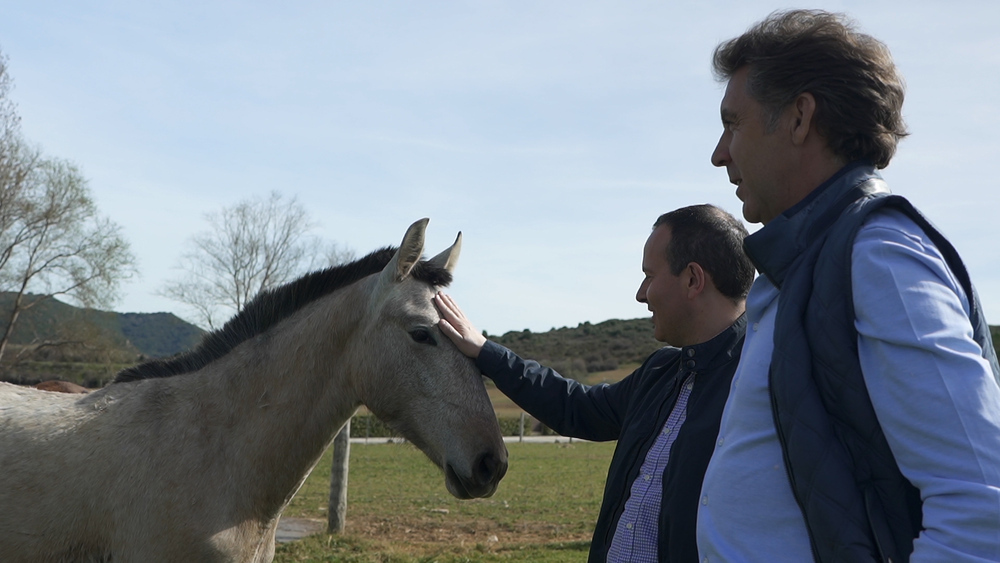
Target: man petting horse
x=665 y=415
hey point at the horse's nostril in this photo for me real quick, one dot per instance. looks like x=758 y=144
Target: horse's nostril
x=489 y=468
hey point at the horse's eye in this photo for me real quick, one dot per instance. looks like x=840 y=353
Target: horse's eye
x=423 y=336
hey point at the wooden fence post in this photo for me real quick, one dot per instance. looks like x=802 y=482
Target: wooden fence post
x=337 y=510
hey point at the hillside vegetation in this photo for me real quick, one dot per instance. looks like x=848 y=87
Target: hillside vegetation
x=102 y=342
x=592 y=353
x=586 y=349
x=149 y=334
x=55 y=340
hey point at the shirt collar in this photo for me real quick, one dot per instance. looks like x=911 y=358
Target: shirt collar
x=775 y=246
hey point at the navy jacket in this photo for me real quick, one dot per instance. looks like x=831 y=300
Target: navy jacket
x=633 y=411
x=857 y=504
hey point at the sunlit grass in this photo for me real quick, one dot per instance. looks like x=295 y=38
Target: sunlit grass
x=399 y=511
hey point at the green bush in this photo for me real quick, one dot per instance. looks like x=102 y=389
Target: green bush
x=369 y=426
x=587 y=348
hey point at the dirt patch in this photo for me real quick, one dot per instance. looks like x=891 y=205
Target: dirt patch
x=444 y=529
x=291 y=529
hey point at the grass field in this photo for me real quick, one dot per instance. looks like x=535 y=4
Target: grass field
x=399 y=511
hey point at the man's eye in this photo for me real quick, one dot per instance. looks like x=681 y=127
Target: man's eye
x=423 y=336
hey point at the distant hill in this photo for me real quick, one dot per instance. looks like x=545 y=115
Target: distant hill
x=159 y=334
x=586 y=348
x=148 y=334
x=589 y=348
x=577 y=352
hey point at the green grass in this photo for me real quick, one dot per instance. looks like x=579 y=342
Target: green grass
x=334 y=549
x=399 y=511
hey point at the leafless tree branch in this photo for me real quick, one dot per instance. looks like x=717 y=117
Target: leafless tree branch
x=256 y=244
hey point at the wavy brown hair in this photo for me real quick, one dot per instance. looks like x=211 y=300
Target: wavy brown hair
x=858 y=91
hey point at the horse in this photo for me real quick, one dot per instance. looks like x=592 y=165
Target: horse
x=193 y=458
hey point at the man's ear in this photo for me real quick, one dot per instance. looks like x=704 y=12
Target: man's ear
x=697 y=278
x=803 y=113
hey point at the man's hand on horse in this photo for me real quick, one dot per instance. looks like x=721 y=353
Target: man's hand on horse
x=457 y=327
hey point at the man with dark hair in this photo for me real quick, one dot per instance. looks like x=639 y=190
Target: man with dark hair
x=864 y=419
x=665 y=415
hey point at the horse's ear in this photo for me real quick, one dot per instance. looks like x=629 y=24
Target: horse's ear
x=408 y=254
x=449 y=257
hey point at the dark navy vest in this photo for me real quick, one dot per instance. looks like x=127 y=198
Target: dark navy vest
x=857 y=504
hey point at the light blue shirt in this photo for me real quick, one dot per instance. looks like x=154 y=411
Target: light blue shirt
x=935 y=397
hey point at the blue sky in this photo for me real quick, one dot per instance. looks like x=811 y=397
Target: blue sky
x=551 y=133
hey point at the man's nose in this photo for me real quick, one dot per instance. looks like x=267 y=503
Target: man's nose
x=720 y=156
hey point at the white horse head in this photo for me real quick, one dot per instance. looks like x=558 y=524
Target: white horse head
x=419 y=383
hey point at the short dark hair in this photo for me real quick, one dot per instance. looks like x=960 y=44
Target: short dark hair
x=713 y=239
x=858 y=91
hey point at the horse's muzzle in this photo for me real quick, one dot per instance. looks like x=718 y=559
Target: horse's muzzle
x=487 y=471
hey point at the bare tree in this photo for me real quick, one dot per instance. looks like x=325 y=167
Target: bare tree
x=252 y=246
x=53 y=242
x=9 y=120
x=16 y=161
x=337 y=254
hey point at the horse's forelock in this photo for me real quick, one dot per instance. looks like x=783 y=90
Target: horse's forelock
x=432 y=274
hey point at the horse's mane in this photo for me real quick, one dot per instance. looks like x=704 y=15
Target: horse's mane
x=272 y=306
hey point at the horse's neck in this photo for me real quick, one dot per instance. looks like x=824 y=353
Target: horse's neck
x=286 y=395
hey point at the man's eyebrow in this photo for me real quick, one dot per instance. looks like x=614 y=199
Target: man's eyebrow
x=728 y=115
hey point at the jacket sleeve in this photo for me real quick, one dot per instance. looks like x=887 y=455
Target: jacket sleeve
x=934 y=394
x=564 y=405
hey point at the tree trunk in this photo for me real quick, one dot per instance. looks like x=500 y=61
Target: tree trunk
x=9 y=331
x=337 y=511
